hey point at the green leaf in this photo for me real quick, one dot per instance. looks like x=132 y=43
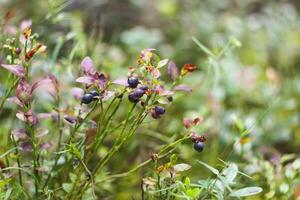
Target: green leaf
x=163 y=101
x=67 y=187
x=181 y=167
x=173 y=159
x=235 y=42
x=247 y=191
x=8 y=193
x=187 y=182
x=162 y=63
x=73 y=177
x=212 y=169
x=239 y=124
x=230 y=172
x=193 y=193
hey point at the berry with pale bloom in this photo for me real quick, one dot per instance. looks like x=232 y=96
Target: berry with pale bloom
x=159 y=110
x=87 y=98
x=199 y=146
x=133 y=97
x=139 y=92
x=133 y=81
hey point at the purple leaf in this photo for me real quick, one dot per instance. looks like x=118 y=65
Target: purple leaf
x=26 y=146
x=187 y=122
x=121 y=81
x=77 y=93
x=23 y=91
x=46 y=145
x=155 y=73
x=54 y=82
x=25 y=24
x=102 y=80
x=14 y=100
x=47 y=83
x=19 y=133
x=17 y=70
x=173 y=70
x=166 y=93
x=107 y=95
x=87 y=66
x=70 y=119
x=52 y=115
x=85 y=79
x=29 y=116
x=182 y=87
x=144 y=51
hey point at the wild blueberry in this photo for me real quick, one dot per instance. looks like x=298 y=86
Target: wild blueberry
x=199 y=146
x=133 y=98
x=94 y=93
x=87 y=98
x=139 y=92
x=133 y=81
x=159 y=110
x=143 y=87
x=155 y=115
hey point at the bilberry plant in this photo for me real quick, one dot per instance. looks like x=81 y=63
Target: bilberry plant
x=70 y=166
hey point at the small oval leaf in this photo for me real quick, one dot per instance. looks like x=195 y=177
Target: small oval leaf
x=247 y=191
x=162 y=63
x=181 y=167
x=213 y=170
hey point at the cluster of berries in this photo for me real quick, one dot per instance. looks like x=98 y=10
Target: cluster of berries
x=135 y=95
x=89 y=97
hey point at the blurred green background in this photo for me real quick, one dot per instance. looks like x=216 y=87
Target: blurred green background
x=256 y=84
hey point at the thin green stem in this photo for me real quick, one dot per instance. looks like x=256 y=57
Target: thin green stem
x=18 y=161
x=59 y=139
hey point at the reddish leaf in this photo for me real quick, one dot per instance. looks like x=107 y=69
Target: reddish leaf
x=182 y=87
x=173 y=71
x=17 y=70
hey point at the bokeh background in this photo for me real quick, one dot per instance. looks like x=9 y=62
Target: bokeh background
x=255 y=86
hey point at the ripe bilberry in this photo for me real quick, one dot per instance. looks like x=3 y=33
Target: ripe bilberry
x=143 y=87
x=87 y=98
x=139 y=92
x=133 y=81
x=155 y=115
x=199 y=146
x=94 y=93
x=159 y=110
x=133 y=97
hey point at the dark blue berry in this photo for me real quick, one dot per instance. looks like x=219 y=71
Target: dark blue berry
x=155 y=115
x=139 y=92
x=133 y=81
x=94 y=93
x=143 y=87
x=87 y=98
x=159 y=110
x=199 y=146
x=133 y=98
